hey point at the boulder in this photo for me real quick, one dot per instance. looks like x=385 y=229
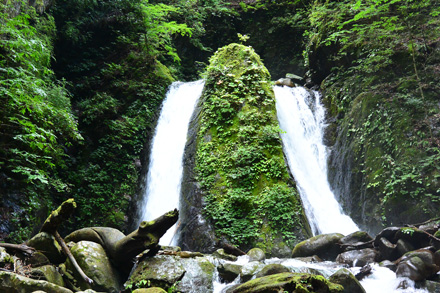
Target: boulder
x=326 y=246
x=285 y=81
x=388 y=264
x=272 y=269
x=160 y=271
x=403 y=246
x=105 y=236
x=48 y=273
x=199 y=273
x=46 y=244
x=37 y=259
x=93 y=260
x=416 y=237
x=389 y=233
x=356 y=238
x=417 y=265
x=256 y=254
x=13 y=283
x=345 y=278
x=358 y=258
x=250 y=269
x=290 y=282
x=229 y=271
x=429 y=286
x=295 y=78
x=387 y=249
x=220 y=253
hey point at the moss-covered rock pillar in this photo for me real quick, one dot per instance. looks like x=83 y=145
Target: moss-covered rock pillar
x=244 y=185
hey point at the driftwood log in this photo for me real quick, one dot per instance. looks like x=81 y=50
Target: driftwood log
x=145 y=237
x=51 y=225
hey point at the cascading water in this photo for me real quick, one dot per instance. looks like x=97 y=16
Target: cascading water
x=301 y=117
x=165 y=169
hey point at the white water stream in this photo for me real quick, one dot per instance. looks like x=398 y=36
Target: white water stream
x=301 y=117
x=165 y=169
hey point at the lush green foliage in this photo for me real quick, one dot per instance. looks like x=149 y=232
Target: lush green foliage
x=111 y=59
x=240 y=162
x=35 y=116
x=381 y=70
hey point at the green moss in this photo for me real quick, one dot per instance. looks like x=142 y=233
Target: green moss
x=290 y=282
x=241 y=167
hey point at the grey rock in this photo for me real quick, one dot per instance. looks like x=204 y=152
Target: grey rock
x=256 y=254
x=345 y=278
x=358 y=258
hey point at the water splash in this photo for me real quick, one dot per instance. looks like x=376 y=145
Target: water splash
x=301 y=117
x=165 y=169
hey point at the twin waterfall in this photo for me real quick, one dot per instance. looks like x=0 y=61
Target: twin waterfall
x=164 y=176
x=301 y=118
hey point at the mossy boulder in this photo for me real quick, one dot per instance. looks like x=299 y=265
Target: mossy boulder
x=247 y=192
x=93 y=260
x=229 y=271
x=256 y=254
x=272 y=269
x=418 y=265
x=290 y=282
x=326 y=246
x=184 y=274
x=13 y=283
x=46 y=244
x=48 y=273
x=345 y=278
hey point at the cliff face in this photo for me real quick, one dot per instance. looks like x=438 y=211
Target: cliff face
x=380 y=83
x=244 y=183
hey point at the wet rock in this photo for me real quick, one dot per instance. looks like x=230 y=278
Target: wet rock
x=295 y=78
x=403 y=246
x=46 y=244
x=358 y=258
x=272 y=269
x=10 y=282
x=285 y=81
x=388 y=233
x=250 y=269
x=199 y=273
x=48 y=273
x=256 y=254
x=345 y=278
x=417 y=265
x=416 y=237
x=229 y=271
x=93 y=260
x=326 y=246
x=38 y=259
x=387 y=249
x=220 y=253
x=356 y=238
x=313 y=258
x=160 y=271
x=389 y=265
x=429 y=286
x=290 y=282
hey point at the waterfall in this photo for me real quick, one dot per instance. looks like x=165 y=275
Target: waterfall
x=164 y=176
x=301 y=117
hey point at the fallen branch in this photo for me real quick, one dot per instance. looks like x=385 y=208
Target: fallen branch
x=72 y=259
x=18 y=247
